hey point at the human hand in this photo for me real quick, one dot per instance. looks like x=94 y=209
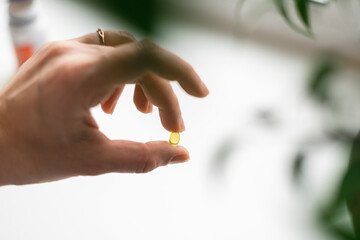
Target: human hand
x=47 y=132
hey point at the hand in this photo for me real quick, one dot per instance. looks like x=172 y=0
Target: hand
x=47 y=132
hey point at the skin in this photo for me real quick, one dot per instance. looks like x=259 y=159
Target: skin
x=47 y=132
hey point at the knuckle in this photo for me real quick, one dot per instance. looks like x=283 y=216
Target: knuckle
x=104 y=57
x=127 y=35
x=149 y=165
x=148 y=162
x=59 y=48
x=147 y=48
x=189 y=68
x=45 y=46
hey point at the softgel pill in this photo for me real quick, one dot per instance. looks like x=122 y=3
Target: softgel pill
x=174 y=138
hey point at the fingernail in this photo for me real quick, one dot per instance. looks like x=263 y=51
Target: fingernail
x=112 y=108
x=182 y=125
x=180 y=158
x=149 y=108
x=206 y=90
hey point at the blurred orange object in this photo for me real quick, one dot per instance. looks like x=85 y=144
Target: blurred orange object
x=23 y=53
x=26 y=28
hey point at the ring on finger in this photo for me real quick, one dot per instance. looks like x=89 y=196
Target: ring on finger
x=101 y=34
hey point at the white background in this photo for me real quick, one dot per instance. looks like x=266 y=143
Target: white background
x=251 y=196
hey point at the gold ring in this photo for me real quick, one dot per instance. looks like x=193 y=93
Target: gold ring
x=101 y=36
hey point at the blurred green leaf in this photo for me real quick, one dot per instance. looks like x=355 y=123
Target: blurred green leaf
x=302 y=9
x=349 y=193
x=281 y=7
x=298 y=165
x=351 y=185
x=320 y=78
x=143 y=14
x=222 y=155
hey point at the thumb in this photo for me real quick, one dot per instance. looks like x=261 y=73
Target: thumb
x=134 y=157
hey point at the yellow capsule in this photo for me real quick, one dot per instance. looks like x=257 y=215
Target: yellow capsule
x=174 y=138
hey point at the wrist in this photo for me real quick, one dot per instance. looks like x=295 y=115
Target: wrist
x=2 y=168
x=3 y=147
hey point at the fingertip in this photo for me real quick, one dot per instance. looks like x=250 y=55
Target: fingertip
x=112 y=109
x=199 y=91
x=205 y=91
x=169 y=153
x=145 y=109
x=181 y=156
x=174 y=128
x=172 y=123
x=106 y=109
x=182 y=125
x=141 y=102
x=149 y=108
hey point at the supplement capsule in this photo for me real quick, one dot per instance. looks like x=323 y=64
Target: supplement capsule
x=174 y=138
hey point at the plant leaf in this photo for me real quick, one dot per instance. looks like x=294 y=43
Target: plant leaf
x=280 y=4
x=281 y=7
x=302 y=7
x=321 y=77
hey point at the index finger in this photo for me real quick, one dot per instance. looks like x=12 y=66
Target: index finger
x=128 y=63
